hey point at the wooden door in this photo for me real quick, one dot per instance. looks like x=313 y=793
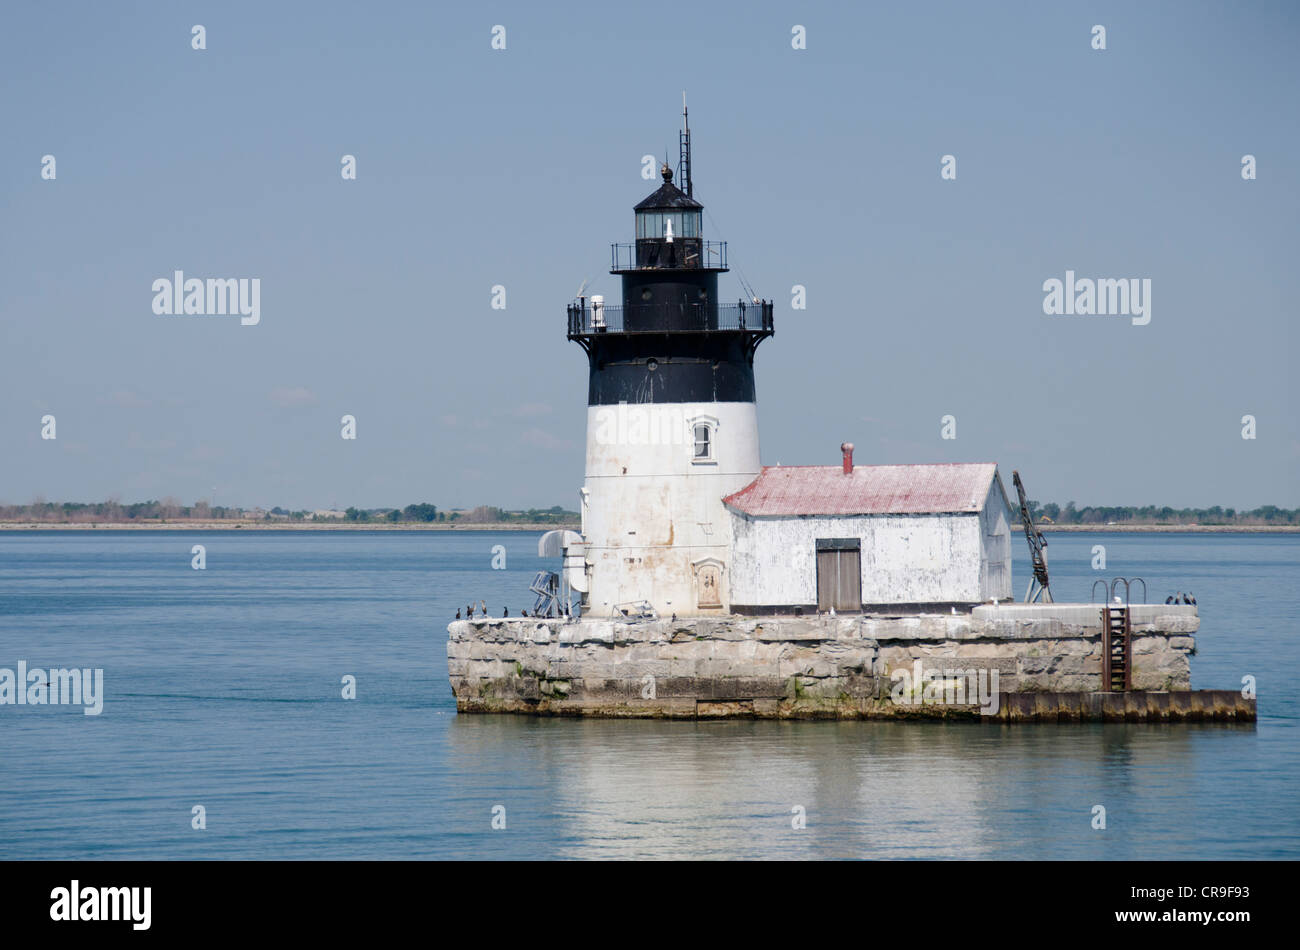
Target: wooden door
x=827 y=578
x=839 y=574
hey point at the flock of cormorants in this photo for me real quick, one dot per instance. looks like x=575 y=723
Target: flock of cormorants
x=482 y=610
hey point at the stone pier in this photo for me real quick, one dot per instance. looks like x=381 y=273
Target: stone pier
x=1012 y=662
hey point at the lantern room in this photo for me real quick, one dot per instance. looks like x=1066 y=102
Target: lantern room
x=668 y=227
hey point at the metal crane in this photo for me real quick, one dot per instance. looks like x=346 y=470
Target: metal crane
x=1039 y=587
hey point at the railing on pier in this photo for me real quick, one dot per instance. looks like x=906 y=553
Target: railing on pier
x=1110 y=591
x=586 y=319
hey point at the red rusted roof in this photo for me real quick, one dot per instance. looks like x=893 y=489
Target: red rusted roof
x=868 y=490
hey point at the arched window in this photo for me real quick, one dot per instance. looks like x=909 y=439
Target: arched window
x=703 y=433
x=703 y=441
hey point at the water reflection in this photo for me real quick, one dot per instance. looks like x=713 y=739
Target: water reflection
x=635 y=789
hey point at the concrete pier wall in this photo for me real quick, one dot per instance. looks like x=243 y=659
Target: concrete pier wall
x=812 y=667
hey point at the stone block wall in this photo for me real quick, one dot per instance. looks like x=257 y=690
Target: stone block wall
x=796 y=667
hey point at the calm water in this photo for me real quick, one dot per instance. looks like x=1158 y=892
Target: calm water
x=223 y=690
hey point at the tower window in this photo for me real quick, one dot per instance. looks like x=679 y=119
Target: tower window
x=703 y=442
x=702 y=431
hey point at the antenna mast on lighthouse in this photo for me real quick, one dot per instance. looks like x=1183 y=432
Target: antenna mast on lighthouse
x=684 y=153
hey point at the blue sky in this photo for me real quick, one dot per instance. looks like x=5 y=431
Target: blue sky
x=518 y=167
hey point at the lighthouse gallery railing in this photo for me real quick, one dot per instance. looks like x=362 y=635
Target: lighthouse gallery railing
x=653 y=254
x=584 y=319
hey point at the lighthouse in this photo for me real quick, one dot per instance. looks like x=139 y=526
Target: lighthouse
x=672 y=423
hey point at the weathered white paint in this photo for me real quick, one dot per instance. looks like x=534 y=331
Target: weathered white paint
x=653 y=517
x=995 y=545
x=906 y=559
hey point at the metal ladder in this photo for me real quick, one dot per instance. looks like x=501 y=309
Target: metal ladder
x=1117 y=648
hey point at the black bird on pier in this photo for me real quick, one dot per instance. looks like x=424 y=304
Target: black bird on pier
x=1169 y=599
x=457 y=613
x=505 y=611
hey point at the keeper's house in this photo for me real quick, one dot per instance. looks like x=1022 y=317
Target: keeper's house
x=912 y=537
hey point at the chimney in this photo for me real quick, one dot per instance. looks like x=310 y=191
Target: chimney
x=847 y=449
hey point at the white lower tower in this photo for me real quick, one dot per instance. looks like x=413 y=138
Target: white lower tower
x=652 y=512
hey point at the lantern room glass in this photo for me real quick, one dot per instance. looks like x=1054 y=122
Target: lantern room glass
x=654 y=224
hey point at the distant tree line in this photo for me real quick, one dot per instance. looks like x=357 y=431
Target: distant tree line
x=1151 y=514
x=169 y=509
x=483 y=514
x=76 y=512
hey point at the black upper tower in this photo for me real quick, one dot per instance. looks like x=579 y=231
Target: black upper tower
x=670 y=340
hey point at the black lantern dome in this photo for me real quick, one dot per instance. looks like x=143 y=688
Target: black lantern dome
x=669 y=227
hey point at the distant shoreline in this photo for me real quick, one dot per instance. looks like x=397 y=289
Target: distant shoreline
x=1165 y=528
x=232 y=525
